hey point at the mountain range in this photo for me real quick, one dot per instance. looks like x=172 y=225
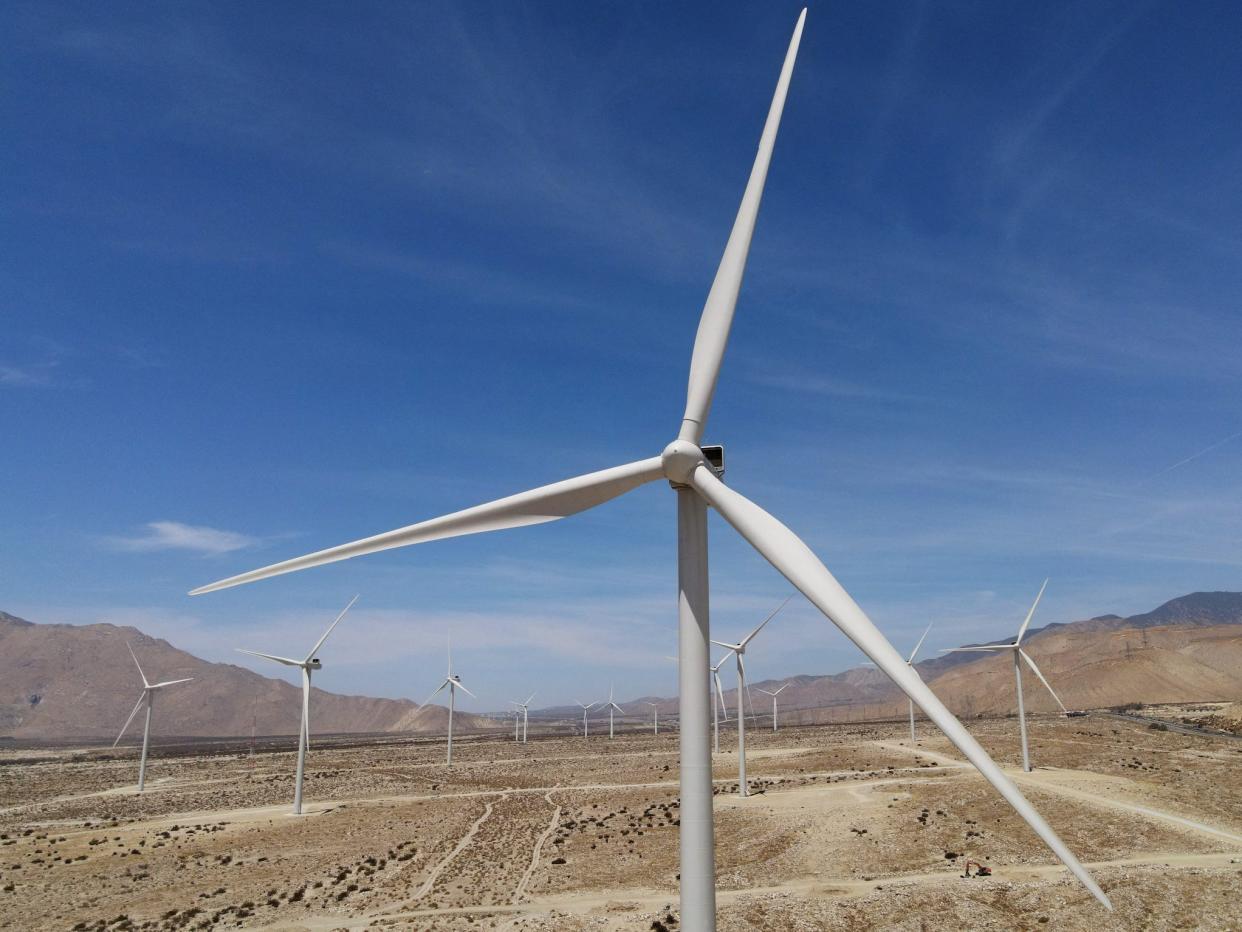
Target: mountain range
x=1188 y=649
x=71 y=681
x=78 y=681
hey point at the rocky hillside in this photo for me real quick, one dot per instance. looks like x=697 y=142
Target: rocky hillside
x=71 y=681
x=1188 y=649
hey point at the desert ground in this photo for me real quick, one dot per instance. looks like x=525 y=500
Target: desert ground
x=850 y=827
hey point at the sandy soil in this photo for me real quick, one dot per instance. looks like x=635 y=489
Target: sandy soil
x=848 y=828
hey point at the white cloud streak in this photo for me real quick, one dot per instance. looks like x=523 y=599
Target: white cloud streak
x=173 y=535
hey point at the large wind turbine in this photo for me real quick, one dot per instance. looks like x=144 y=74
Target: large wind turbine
x=910 y=663
x=454 y=683
x=737 y=650
x=1018 y=652
x=311 y=662
x=586 y=706
x=774 y=693
x=612 y=707
x=522 y=708
x=148 y=694
x=694 y=471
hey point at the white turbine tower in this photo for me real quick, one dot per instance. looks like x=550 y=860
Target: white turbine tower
x=454 y=683
x=718 y=703
x=586 y=707
x=1018 y=654
x=612 y=707
x=311 y=662
x=521 y=709
x=655 y=717
x=910 y=663
x=694 y=472
x=737 y=650
x=148 y=694
x=773 y=694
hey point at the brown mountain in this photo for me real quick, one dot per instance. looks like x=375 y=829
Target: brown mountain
x=78 y=681
x=1188 y=649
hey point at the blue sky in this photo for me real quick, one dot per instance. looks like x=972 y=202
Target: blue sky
x=277 y=277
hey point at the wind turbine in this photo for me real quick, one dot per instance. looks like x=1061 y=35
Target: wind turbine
x=148 y=694
x=1018 y=652
x=585 y=708
x=737 y=650
x=718 y=703
x=655 y=717
x=773 y=694
x=522 y=707
x=454 y=683
x=311 y=662
x=910 y=663
x=612 y=707
x=694 y=471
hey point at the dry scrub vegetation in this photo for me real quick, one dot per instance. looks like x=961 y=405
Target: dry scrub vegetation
x=849 y=827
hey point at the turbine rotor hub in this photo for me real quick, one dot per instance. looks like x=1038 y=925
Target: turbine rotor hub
x=681 y=457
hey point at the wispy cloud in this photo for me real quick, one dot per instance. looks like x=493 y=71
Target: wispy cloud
x=173 y=535
x=35 y=376
x=826 y=386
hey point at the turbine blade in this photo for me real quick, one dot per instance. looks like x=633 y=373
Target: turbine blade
x=746 y=640
x=914 y=653
x=125 y=727
x=779 y=688
x=717 y=317
x=731 y=648
x=724 y=709
x=972 y=650
x=424 y=704
x=547 y=503
x=319 y=643
x=1031 y=663
x=288 y=662
x=170 y=683
x=795 y=561
x=462 y=685
x=528 y=699
x=137 y=664
x=1030 y=614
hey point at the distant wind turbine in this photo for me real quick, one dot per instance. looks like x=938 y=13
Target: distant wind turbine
x=586 y=707
x=695 y=472
x=718 y=703
x=306 y=665
x=522 y=708
x=773 y=694
x=148 y=694
x=611 y=707
x=655 y=717
x=1018 y=652
x=738 y=650
x=910 y=663
x=454 y=683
